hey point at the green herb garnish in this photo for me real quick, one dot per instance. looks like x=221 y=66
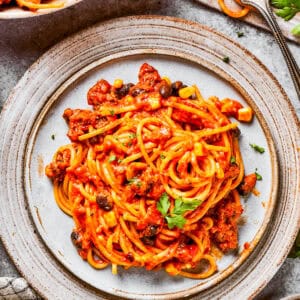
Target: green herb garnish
x=163 y=204
x=286 y=9
x=257 y=148
x=296 y=30
x=112 y=112
x=176 y=218
x=112 y=158
x=53 y=137
x=240 y=34
x=162 y=156
x=258 y=176
x=232 y=160
x=135 y=181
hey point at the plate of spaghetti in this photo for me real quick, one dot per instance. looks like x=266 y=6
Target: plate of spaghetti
x=150 y=169
x=10 y=9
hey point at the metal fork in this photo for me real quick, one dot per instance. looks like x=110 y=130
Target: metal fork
x=264 y=7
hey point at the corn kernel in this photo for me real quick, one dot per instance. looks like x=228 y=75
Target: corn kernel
x=118 y=83
x=154 y=102
x=110 y=219
x=167 y=80
x=170 y=269
x=114 y=269
x=219 y=171
x=187 y=92
x=245 y=114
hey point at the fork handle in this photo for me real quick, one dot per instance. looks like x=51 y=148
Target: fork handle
x=266 y=11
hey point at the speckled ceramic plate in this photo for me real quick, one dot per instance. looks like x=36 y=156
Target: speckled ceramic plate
x=15 y=12
x=34 y=230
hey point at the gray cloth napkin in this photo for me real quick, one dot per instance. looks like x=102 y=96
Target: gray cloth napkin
x=16 y=288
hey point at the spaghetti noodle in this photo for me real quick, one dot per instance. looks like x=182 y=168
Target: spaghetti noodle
x=234 y=14
x=33 y=4
x=151 y=176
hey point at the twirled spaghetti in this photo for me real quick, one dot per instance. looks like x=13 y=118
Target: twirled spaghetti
x=151 y=176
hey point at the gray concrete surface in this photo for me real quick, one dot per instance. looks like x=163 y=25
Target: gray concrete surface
x=23 y=41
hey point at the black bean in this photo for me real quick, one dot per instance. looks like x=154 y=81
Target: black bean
x=103 y=202
x=165 y=90
x=124 y=90
x=236 y=132
x=176 y=86
x=130 y=257
x=147 y=240
x=137 y=91
x=152 y=230
x=93 y=140
x=76 y=239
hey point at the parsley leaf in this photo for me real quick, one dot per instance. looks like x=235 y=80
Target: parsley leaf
x=286 y=9
x=181 y=207
x=176 y=220
x=162 y=156
x=112 y=158
x=112 y=112
x=131 y=180
x=257 y=148
x=296 y=30
x=232 y=160
x=135 y=181
x=240 y=34
x=164 y=204
x=53 y=137
x=258 y=176
x=138 y=183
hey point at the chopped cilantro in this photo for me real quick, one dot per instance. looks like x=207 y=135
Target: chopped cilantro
x=240 y=34
x=258 y=176
x=181 y=207
x=176 y=218
x=112 y=112
x=53 y=136
x=162 y=156
x=257 y=148
x=163 y=204
x=112 y=158
x=232 y=160
x=286 y=9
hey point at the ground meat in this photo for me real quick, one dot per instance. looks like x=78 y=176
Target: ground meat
x=247 y=185
x=148 y=75
x=56 y=170
x=224 y=233
x=80 y=121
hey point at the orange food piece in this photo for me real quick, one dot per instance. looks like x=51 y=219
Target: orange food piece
x=231 y=13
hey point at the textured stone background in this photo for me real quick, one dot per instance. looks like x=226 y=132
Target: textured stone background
x=23 y=41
